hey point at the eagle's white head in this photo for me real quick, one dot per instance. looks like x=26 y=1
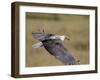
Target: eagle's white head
x=61 y=37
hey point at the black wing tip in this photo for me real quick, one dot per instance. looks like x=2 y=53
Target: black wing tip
x=36 y=33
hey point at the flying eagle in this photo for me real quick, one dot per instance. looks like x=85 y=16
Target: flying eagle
x=54 y=45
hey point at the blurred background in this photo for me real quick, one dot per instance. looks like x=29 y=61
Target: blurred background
x=76 y=27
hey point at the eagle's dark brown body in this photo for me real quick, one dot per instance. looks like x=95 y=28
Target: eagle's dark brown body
x=56 y=48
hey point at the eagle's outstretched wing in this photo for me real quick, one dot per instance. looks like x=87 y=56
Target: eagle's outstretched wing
x=57 y=49
x=41 y=36
x=54 y=47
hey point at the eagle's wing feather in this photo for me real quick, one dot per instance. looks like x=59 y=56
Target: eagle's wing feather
x=66 y=59
x=57 y=49
x=40 y=36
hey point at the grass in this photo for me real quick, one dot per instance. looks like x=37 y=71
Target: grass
x=75 y=26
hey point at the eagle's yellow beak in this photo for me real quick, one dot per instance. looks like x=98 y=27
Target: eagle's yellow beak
x=66 y=37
